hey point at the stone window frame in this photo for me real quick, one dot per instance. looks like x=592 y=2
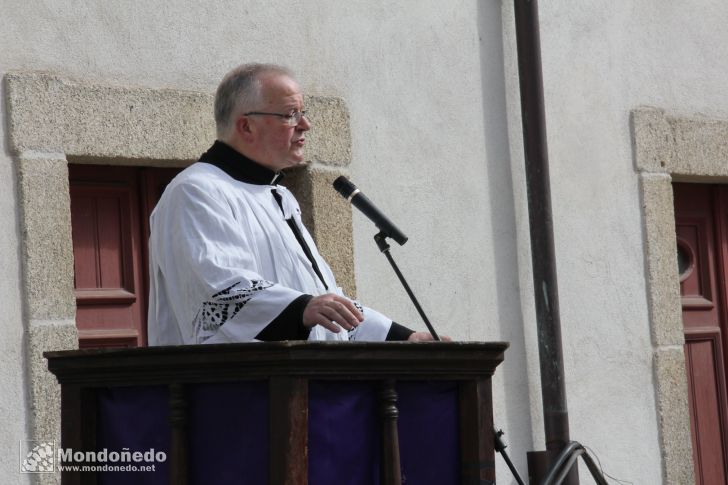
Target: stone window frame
x=53 y=119
x=669 y=148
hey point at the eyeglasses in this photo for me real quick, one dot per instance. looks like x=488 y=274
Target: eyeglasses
x=291 y=119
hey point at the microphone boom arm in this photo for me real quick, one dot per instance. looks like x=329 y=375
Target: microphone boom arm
x=381 y=240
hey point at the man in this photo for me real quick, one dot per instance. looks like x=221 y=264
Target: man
x=230 y=260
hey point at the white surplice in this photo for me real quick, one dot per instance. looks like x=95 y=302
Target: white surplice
x=224 y=263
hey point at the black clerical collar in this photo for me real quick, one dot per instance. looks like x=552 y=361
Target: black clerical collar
x=238 y=166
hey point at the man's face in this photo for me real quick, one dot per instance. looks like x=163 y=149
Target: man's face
x=279 y=145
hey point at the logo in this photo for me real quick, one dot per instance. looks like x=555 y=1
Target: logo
x=37 y=457
x=45 y=457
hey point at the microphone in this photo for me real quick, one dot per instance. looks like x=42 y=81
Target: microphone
x=349 y=191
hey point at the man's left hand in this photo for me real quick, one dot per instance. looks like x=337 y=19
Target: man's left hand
x=426 y=337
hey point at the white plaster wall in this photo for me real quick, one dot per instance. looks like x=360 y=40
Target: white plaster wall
x=13 y=393
x=602 y=59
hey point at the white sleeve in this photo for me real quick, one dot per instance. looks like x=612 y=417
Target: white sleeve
x=374 y=328
x=208 y=266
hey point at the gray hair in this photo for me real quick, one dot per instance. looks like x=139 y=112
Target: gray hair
x=239 y=90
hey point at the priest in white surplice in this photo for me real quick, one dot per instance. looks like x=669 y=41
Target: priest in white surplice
x=230 y=260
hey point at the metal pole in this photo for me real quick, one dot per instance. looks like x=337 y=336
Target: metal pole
x=381 y=239
x=556 y=418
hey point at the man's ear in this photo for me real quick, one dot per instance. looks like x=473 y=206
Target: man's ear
x=244 y=129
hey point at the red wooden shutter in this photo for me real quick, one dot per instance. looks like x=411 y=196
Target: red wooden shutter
x=110 y=209
x=700 y=219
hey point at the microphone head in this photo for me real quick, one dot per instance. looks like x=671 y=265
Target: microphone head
x=344 y=186
x=349 y=191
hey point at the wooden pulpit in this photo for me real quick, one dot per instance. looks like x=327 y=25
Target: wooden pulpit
x=293 y=413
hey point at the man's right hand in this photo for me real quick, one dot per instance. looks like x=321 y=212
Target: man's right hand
x=332 y=312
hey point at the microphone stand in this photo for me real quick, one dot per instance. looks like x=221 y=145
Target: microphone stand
x=500 y=447
x=381 y=240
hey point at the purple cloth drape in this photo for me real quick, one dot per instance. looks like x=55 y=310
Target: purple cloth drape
x=344 y=433
x=135 y=418
x=228 y=432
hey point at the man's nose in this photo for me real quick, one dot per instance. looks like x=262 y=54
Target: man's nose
x=304 y=124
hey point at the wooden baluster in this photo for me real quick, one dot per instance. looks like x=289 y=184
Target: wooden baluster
x=178 y=442
x=78 y=430
x=391 y=470
x=288 y=431
x=477 y=446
